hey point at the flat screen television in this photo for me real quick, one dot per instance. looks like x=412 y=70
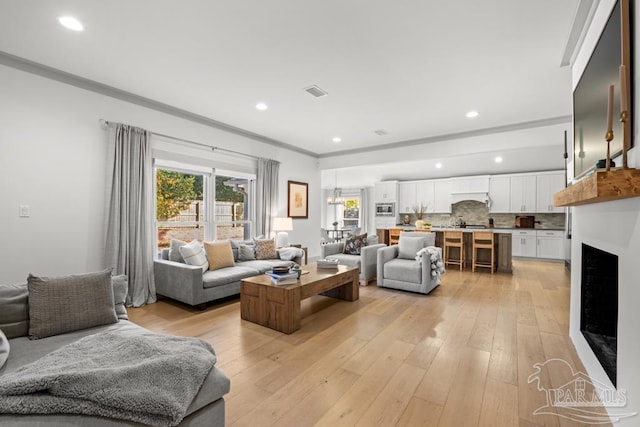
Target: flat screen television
x=591 y=94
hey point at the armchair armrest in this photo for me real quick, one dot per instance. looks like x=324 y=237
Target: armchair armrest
x=384 y=255
x=179 y=281
x=331 y=249
x=369 y=261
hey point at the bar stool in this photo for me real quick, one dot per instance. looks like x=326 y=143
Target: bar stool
x=483 y=240
x=453 y=239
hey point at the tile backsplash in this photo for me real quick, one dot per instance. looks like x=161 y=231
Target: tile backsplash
x=477 y=213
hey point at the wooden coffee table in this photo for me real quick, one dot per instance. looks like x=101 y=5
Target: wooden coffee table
x=278 y=306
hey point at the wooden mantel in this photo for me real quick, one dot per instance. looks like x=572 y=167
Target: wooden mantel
x=601 y=186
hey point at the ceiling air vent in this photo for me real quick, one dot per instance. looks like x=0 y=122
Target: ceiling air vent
x=381 y=132
x=316 y=91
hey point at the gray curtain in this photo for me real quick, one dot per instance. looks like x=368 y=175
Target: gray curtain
x=130 y=233
x=364 y=211
x=266 y=196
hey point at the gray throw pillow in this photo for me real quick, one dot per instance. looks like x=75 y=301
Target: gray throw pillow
x=174 y=251
x=120 y=289
x=64 y=304
x=4 y=348
x=246 y=253
x=408 y=246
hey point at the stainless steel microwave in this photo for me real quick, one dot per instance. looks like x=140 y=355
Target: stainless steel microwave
x=386 y=209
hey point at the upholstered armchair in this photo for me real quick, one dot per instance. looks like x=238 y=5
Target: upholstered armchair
x=414 y=264
x=366 y=260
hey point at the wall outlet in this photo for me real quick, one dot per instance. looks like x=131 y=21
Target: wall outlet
x=24 y=211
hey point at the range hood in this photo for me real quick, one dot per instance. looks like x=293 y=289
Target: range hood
x=478 y=197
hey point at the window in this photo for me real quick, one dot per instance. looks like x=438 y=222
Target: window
x=188 y=207
x=181 y=206
x=346 y=214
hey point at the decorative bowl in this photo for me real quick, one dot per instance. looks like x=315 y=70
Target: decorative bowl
x=280 y=269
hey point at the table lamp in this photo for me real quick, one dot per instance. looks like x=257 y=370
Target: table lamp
x=281 y=226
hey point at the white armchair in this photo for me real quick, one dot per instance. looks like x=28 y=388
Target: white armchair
x=398 y=268
x=366 y=260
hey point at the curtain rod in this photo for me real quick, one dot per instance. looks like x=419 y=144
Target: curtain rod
x=104 y=123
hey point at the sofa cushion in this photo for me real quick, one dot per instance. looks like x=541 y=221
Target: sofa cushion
x=346 y=259
x=219 y=254
x=174 y=250
x=226 y=275
x=4 y=348
x=408 y=246
x=246 y=252
x=266 y=249
x=372 y=240
x=403 y=270
x=194 y=255
x=354 y=244
x=63 y=304
x=14 y=315
x=265 y=264
x=120 y=289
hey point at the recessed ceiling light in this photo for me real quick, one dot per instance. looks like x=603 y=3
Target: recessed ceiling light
x=498 y=159
x=71 y=23
x=261 y=106
x=472 y=114
x=438 y=165
x=336 y=139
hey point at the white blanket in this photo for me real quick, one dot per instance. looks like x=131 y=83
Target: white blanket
x=289 y=253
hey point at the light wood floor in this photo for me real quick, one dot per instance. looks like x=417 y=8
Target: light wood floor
x=460 y=356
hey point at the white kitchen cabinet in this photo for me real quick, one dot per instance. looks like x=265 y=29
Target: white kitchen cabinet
x=523 y=243
x=406 y=197
x=386 y=191
x=470 y=184
x=523 y=193
x=547 y=185
x=442 y=196
x=550 y=244
x=425 y=195
x=500 y=194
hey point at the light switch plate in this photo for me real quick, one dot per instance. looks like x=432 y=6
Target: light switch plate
x=25 y=211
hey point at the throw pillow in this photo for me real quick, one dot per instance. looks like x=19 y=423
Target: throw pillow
x=120 y=289
x=194 y=255
x=4 y=349
x=219 y=254
x=408 y=246
x=14 y=315
x=64 y=304
x=266 y=249
x=246 y=253
x=174 y=250
x=354 y=244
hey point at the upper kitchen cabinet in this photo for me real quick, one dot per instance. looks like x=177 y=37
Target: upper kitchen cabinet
x=500 y=194
x=425 y=195
x=523 y=193
x=470 y=185
x=386 y=191
x=442 y=196
x=406 y=196
x=548 y=185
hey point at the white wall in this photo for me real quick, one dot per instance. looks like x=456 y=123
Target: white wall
x=613 y=227
x=53 y=158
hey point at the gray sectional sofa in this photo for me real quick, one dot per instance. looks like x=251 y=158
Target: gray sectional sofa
x=206 y=409
x=188 y=284
x=366 y=261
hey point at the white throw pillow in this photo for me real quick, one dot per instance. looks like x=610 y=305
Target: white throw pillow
x=193 y=254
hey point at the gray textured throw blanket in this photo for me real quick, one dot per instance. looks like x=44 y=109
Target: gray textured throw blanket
x=130 y=375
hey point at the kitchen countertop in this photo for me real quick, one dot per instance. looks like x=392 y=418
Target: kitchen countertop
x=471 y=229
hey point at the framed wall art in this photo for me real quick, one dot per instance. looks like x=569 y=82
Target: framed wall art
x=298 y=196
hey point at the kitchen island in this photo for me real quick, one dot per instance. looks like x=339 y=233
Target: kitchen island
x=502 y=242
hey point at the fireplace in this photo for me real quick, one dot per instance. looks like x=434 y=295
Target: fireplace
x=599 y=306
